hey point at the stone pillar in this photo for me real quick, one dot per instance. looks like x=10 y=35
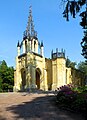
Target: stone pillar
x=18 y=50
x=28 y=77
x=24 y=48
x=45 y=80
x=42 y=51
x=27 y=45
x=36 y=47
x=17 y=79
x=33 y=45
x=30 y=45
x=33 y=77
x=54 y=75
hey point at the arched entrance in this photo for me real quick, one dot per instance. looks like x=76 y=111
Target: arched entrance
x=23 y=76
x=38 y=74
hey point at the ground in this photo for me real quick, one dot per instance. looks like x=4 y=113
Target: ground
x=32 y=106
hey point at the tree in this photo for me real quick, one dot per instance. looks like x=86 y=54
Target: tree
x=70 y=64
x=73 y=7
x=0 y=84
x=6 y=77
x=82 y=67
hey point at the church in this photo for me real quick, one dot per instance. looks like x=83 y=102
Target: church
x=33 y=70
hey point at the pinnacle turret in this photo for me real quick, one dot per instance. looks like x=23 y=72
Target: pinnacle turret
x=42 y=44
x=18 y=45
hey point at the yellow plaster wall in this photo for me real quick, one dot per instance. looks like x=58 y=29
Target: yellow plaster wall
x=54 y=72
x=49 y=73
x=58 y=72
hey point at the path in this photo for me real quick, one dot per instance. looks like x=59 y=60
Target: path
x=23 y=106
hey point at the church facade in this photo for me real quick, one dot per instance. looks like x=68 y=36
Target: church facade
x=33 y=70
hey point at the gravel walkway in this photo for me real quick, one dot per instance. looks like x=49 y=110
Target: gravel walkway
x=28 y=106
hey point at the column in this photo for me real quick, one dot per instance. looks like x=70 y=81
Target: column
x=33 y=45
x=28 y=77
x=30 y=45
x=33 y=77
x=42 y=51
x=24 y=49
x=54 y=75
x=17 y=76
x=18 y=50
x=45 y=80
x=27 y=46
x=36 y=47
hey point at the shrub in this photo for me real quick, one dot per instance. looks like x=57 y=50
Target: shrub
x=65 y=95
x=74 y=100
x=80 y=89
x=79 y=105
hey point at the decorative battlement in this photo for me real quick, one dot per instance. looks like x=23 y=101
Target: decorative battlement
x=58 y=54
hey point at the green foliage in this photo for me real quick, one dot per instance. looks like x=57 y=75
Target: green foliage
x=82 y=66
x=70 y=64
x=0 y=84
x=6 y=77
x=83 y=23
x=77 y=96
x=72 y=7
x=84 y=42
x=82 y=89
x=79 y=105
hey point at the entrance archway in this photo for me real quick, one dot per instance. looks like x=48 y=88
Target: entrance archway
x=23 y=76
x=38 y=74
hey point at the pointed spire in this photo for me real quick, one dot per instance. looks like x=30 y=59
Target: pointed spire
x=18 y=45
x=52 y=53
x=42 y=44
x=30 y=26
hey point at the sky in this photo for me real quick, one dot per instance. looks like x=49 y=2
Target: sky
x=52 y=28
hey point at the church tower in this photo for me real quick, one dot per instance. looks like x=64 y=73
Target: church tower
x=30 y=61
